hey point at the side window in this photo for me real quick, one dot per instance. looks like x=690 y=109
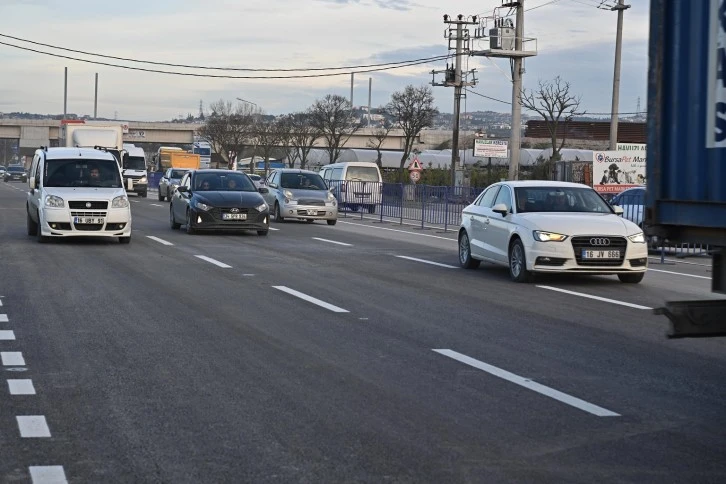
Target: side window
x=337 y=174
x=35 y=170
x=504 y=197
x=487 y=199
x=186 y=181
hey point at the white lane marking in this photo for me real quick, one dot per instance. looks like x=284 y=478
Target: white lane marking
x=47 y=475
x=401 y=231
x=1 y=302
x=529 y=384
x=679 y=274
x=311 y=299
x=135 y=201
x=33 y=426
x=157 y=239
x=21 y=387
x=597 y=298
x=247 y=275
x=12 y=358
x=7 y=335
x=676 y=261
x=156 y=205
x=4 y=318
x=427 y=261
x=332 y=242
x=212 y=261
x=274 y=229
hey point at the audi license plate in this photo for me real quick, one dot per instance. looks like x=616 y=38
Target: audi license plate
x=88 y=220
x=600 y=254
x=234 y=216
x=312 y=212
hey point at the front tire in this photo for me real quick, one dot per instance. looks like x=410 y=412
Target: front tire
x=190 y=229
x=32 y=226
x=465 y=259
x=278 y=216
x=172 y=221
x=332 y=222
x=632 y=278
x=518 y=263
x=124 y=240
x=143 y=194
x=262 y=233
x=161 y=198
x=39 y=234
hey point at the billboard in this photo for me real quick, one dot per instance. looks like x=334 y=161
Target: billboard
x=490 y=148
x=616 y=171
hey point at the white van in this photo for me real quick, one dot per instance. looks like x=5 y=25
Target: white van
x=77 y=192
x=134 y=167
x=355 y=184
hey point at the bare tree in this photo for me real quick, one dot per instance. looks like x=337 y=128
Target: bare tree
x=270 y=135
x=229 y=128
x=557 y=105
x=303 y=135
x=413 y=110
x=377 y=139
x=333 y=117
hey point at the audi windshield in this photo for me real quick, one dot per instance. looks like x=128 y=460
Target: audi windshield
x=560 y=199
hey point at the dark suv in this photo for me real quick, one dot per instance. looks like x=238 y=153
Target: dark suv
x=15 y=173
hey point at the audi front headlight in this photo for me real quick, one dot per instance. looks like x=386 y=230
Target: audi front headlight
x=638 y=238
x=53 y=201
x=120 y=202
x=541 y=236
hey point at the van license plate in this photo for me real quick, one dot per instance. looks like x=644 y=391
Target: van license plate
x=88 y=220
x=312 y=212
x=601 y=254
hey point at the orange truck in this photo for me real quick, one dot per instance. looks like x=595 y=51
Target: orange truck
x=173 y=157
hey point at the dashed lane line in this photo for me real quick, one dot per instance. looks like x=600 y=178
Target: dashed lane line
x=21 y=387
x=157 y=239
x=213 y=261
x=400 y=231
x=12 y=358
x=7 y=335
x=596 y=298
x=47 y=475
x=33 y=426
x=311 y=299
x=678 y=273
x=438 y=264
x=333 y=242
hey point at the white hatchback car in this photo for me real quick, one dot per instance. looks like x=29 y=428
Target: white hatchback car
x=541 y=226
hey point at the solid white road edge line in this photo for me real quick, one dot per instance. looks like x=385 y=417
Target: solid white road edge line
x=426 y=261
x=47 y=475
x=311 y=299
x=332 y=242
x=7 y=335
x=597 y=298
x=156 y=205
x=212 y=261
x=157 y=239
x=679 y=274
x=678 y=261
x=33 y=426
x=12 y=358
x=401 y=231
x=274 y=229
x=529 y=384
x=21 y=387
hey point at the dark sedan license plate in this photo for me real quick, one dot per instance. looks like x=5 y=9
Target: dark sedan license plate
x=600 y=254
x=234 y=216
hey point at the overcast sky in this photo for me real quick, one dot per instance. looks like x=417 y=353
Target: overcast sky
x=575 y=40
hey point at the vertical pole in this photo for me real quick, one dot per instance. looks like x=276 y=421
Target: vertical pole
x=370 y=95
x=455 y=163
x=516 y=132
x=65 y=93
x=352 y=76
x=95 y=100
x=616 y=77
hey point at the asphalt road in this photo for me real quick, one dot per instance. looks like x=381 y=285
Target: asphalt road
x=354 y=353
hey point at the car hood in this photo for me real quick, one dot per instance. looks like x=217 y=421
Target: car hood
x=580 y=223
x=230 y=199
x=85 y=193
x=308 y=194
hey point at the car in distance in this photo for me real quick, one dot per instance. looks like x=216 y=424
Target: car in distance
x=169 y=182
x=15 y=173
x=545 y=227
x=225 y=200
x=300 y=194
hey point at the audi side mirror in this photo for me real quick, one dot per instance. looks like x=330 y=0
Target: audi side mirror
x=501 y=209
x=618 y=210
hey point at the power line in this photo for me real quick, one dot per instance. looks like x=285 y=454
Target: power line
x=126 y=59
x=487 y=97
x=218 y=76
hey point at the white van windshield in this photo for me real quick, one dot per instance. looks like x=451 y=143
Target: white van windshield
x=81 y=173
x=362 y=173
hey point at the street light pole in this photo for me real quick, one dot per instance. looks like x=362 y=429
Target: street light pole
x=620 y=7
x=254 y=147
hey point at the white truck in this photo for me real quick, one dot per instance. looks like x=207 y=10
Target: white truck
x=134 y=168
x=109 y=137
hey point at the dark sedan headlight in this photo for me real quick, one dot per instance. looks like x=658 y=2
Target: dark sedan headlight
x=203 y=206
x=261 y=208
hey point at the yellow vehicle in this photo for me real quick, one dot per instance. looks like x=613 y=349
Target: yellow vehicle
x=171 y=157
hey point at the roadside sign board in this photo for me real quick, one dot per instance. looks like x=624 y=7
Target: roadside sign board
x=491 y=148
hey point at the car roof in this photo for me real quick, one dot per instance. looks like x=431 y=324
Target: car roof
x=543 y=183
x=61 y=153
x=295 y=170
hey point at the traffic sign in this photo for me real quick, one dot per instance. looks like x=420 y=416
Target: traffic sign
x=414 y=175
x=415 y=165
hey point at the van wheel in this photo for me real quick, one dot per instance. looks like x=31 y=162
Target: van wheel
x=332 y=222
x=32 y=226
x=39 y=234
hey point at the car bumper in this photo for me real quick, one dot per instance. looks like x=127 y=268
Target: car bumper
x=60 y=223
x=560 y=257
x=202 y=220
x=16 y=178
x=315 y=212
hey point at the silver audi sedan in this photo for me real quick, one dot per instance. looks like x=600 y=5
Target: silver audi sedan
x=300 y=194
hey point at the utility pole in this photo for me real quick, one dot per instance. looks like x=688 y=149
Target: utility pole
x=370 y=93
x=65 y=94
x=507 y=41
x=454 y=77
x=620 y=8
x=95 y=100
x=515 y=133
x=352 y=76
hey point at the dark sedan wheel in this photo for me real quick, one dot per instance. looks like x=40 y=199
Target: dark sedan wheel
x=190 y=229
x=262 y=232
